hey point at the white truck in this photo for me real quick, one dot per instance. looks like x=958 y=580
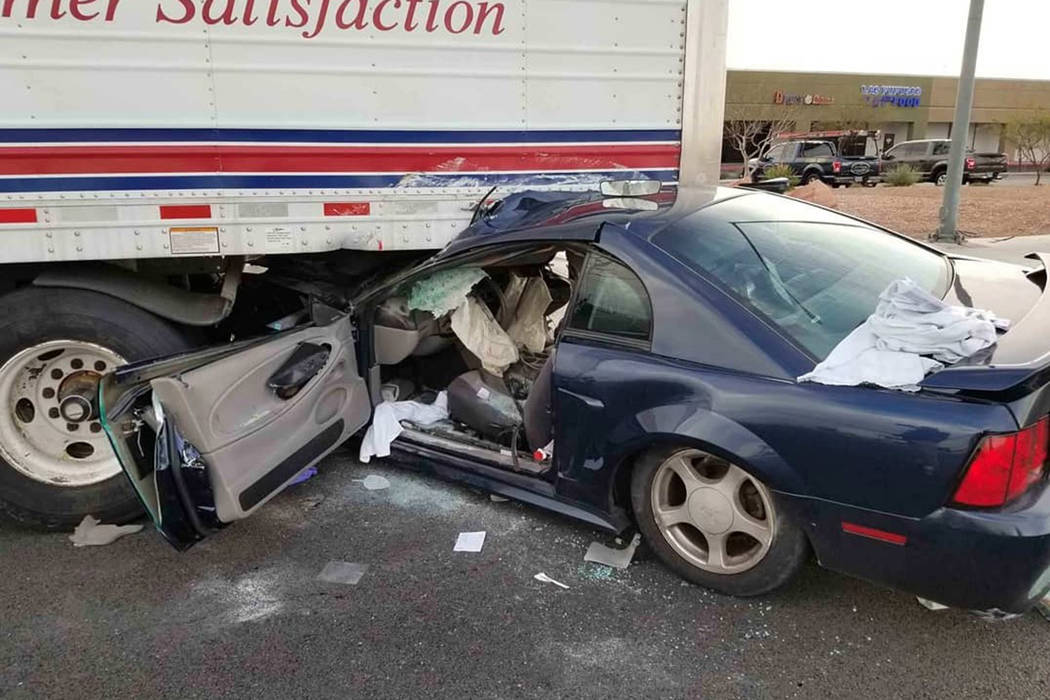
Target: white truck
x=182 y=172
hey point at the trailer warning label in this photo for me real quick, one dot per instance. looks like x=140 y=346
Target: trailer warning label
x=278 y=239
x=196 y=240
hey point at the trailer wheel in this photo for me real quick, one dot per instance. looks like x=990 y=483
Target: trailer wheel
x=55 y=462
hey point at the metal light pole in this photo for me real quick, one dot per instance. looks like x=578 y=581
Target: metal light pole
x=960 y=128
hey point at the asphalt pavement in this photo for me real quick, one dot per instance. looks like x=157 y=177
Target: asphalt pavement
x=244 y=615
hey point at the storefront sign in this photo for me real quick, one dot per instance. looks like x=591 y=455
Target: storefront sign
x=892 y=95
x=782 y=98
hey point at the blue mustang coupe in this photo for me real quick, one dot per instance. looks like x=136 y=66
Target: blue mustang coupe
x=632 y=362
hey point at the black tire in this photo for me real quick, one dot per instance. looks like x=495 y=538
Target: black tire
x=34 y=315
x=810 y=177
x=787 y=553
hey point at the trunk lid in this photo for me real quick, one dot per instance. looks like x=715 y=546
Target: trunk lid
x=1020 y=362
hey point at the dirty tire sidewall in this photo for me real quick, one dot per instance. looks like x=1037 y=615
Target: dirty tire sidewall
x=785 y=557
x=34 y=315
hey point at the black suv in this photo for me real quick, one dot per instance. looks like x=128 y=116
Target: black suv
x=930 y=159
x=818 y=159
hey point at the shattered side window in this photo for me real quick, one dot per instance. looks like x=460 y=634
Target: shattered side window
x=612 y=300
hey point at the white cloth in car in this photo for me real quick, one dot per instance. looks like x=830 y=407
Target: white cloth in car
x=386 y=423
x=911 y=334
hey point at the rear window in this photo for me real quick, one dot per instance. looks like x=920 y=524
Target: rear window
x=815 y=280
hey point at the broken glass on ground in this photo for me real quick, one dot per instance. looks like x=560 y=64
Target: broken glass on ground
x=374 y=482
x=345 y=572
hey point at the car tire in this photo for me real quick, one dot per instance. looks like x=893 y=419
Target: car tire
x=748 y=565
x=940 y=177
x=54 y=344
x=810 y=177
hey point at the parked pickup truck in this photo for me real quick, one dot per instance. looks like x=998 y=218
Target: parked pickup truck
x=818 y=160
x=930 y=158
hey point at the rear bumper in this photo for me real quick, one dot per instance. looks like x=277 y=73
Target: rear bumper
x=847 y=179
x=975 y=560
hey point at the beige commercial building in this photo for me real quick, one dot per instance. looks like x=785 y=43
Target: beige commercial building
x=901 y=107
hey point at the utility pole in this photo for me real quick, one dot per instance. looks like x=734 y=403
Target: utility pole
x=947 y=230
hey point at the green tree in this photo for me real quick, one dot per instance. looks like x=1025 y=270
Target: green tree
x=1030 y=135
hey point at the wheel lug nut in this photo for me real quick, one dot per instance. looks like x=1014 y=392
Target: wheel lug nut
x=52 y=412
x=76 y=364
x=56 y=373
x=95 y=427
x=100 y=366
x=49 y=393
x=72 y=427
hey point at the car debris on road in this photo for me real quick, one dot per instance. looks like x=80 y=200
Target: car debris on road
x=92 y=533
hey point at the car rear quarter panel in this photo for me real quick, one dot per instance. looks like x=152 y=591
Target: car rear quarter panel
x=872 y=449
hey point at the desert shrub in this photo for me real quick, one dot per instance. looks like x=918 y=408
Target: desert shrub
x=902 y=175
x=781 y=170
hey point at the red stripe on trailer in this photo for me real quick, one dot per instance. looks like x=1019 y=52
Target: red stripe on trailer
x=97 y=160
x=185 y=211
x=347 y=208
x=17 y=216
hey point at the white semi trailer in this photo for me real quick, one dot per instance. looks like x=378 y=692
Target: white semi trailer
x=155 y=153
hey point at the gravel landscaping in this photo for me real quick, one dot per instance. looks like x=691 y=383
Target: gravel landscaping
x=985 y=210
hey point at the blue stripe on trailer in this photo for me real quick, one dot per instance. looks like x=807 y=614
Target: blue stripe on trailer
x=334 y=136
x=226 y=182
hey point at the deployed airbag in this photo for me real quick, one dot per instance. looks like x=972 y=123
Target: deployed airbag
x=477 y=329
x=529 y=328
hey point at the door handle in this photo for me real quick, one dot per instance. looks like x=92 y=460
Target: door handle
x=305 y=362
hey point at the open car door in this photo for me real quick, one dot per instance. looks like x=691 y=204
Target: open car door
x=207 y=437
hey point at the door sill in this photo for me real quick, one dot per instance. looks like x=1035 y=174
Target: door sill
x=502 y=459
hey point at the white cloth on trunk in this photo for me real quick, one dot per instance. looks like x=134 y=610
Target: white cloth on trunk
x=911 y=334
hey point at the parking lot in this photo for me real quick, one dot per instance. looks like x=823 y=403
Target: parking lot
x=243 y=614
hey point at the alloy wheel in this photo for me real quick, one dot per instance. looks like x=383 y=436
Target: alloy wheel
x=712 y=513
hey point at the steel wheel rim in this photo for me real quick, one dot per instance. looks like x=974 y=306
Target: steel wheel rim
x=46 y=390
x=712 y=513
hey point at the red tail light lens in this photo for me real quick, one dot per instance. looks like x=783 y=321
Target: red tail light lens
x=971 y=163
x=1004 y=466
x=836 y=167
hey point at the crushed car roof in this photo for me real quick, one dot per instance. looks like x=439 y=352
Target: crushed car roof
x=579 y=215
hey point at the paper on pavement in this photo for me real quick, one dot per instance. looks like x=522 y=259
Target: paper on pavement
x=469 y=542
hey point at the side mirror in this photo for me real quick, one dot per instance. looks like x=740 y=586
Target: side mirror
x=888 y=156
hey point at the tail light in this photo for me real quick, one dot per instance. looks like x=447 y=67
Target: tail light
x=836 y=167
x=1004 y=466
x=971 y=163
